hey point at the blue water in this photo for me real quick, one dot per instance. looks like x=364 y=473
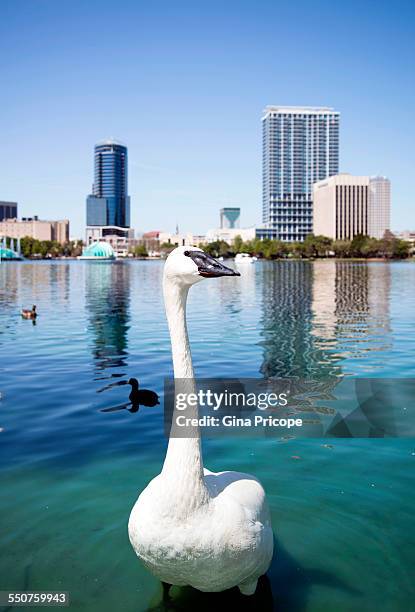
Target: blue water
x=69 y=473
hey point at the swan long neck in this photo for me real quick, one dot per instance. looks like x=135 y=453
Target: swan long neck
x=183 y=465
x=175 y=298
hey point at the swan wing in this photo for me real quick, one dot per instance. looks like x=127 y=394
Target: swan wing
x=242 y=488
x=241 y=502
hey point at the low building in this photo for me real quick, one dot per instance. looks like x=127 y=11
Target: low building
x=189 y=239
x=8 y=210
x=33 y=227
x=154 y=239
x=265 y=233
x=199 y=239
x=150 y=240
x=177 y=239
x=60 y=231
x=345 y=206
x=408 y=236
x=229 y=234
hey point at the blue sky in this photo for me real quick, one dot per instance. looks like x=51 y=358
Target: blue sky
x=183 y=84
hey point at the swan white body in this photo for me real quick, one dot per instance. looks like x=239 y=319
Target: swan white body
x=190 y=526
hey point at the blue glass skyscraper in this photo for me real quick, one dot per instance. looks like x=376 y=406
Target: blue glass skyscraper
x=109 y=203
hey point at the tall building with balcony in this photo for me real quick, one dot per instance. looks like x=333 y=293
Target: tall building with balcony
x=108 y=207
x=300 y=147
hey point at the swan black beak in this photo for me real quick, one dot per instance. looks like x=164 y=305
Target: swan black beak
x=208 y=266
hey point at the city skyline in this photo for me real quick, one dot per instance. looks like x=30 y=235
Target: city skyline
x=192 y=101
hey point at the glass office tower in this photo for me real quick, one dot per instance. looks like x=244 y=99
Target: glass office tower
x=109 y=204
x=300 y=147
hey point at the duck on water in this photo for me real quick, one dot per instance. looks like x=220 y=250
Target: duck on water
x=29 y=314
x=142 y=397
x=138 y=397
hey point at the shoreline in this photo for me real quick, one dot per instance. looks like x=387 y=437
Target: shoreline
x=260 y=259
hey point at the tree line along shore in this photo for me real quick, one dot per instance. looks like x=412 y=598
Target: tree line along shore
x=362 y=247
x=313 y=247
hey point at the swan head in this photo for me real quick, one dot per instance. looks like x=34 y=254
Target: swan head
x=189 y=265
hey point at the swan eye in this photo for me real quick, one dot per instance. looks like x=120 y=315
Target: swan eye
x=187 y=253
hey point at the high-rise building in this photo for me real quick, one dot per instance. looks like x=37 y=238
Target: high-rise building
x=229 y=217
x=340 y=207
x=8 y=210
x=379 y=206
x=300 y=147
x=347 y=205
x=108 y=207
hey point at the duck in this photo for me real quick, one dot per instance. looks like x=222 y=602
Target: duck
x=190 y=526
x=29 y=314
x=142 y=397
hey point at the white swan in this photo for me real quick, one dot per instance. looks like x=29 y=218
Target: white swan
x=191 y=526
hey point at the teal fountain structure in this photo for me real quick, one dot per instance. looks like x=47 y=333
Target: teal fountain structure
x=11 y=252
x=98 y=251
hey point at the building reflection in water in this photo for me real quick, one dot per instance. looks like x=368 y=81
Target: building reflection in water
x=59 y=281
x=318 y=317
x=316 y=314
x=290 y=349
x=25 y=283
x=107 y=298
x=9 y=304
x=8 y=285
x=236 y=295
x=351 y=310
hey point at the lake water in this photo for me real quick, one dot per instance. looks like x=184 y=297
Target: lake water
x=70 y=474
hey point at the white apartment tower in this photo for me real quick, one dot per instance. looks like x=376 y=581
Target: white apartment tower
x=300 y=147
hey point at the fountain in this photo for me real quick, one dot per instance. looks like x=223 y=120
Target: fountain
x=9 y=253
